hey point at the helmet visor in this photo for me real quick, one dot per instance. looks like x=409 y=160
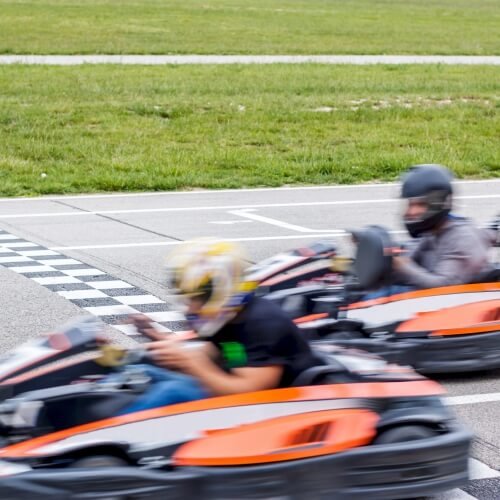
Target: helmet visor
x=414 y=209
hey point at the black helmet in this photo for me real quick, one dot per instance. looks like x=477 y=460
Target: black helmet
x=431 y=184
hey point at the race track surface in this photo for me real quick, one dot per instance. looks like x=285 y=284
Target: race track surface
x=104 y=254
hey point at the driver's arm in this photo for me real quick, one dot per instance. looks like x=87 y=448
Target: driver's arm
x=197 y=362
x=458 y=258
x=246 y=379
x=449 y=271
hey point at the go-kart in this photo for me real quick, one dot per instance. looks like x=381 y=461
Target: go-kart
x=446 y=329
x=349 y=427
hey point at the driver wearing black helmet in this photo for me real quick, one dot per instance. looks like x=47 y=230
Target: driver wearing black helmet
x=450 y=250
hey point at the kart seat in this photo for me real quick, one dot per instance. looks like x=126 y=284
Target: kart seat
x=373 y=261
x=325 y=371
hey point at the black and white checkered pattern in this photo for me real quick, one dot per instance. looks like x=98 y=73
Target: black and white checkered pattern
x=93 y=290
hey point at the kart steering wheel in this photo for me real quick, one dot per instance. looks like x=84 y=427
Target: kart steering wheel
x=373 y=260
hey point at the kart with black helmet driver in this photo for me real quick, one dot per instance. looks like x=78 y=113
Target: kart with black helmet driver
x=434 y=305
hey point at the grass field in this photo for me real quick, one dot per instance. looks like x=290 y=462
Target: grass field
x=98 y=128
x=250 y=26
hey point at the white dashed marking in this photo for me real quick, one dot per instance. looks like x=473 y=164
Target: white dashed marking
x=109 y=285
x=83 y=272
x=131 y=300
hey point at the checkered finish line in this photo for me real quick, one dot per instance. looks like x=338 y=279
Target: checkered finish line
x=95 y=291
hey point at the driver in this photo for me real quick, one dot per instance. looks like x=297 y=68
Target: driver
x=450 y=249
x=251 y=345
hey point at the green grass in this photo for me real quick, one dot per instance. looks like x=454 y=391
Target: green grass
x=95 y=128
x=250 y=26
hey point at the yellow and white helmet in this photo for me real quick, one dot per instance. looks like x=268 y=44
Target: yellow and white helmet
x=214 y=272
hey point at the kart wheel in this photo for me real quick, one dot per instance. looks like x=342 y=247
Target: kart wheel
x=403 y=434
x=99 y=461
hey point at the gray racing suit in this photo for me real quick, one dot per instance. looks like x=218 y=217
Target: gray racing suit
x=454 y=255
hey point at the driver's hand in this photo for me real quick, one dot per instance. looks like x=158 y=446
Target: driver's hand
x=144 y=325
x=400 y=262
x=170 y=353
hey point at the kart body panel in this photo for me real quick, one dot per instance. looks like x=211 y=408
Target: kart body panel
x=438 y=330
x=303 y=442
x=316 y=439
x=406 y=470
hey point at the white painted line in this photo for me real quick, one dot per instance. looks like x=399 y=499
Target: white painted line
x=226 y=207
x=199 y=192
x=132 y=300
x=479 y=470
x=21 y=244
x=354 y=59
x=167 y=316
x=268 y=220
x=111 y=310
x=49 y=214
x=16 y=258
x=5 y=249
x=4 y=237
x=339 y=233
x=37 y=253
x=173 y=243
x=56 y=280
x=32 y=269
x=62 y=262
x=229 y=222
x=473 y=399
x=108 y=285
x=82 y=272
x=201 y=208
x=455 y=494
x=82 y=294
x=275 y=222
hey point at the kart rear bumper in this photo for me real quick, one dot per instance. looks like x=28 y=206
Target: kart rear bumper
x=383 y=472
x=464 y=353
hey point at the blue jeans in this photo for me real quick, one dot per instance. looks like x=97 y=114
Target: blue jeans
x=387 y=291
x=167 y=387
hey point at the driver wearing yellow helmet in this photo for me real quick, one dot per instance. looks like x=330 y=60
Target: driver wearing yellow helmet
x=251 y=343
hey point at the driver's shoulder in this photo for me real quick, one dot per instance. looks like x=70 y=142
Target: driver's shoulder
x=265 y=318
x=458 y=228
x=461 y=234
x=261 y=309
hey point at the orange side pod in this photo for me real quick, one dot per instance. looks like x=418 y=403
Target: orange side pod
x=284 y=438
x=478 y=317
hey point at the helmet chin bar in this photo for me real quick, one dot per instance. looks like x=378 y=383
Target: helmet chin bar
x=208 y=326
x=439 y=205
x=423 y=225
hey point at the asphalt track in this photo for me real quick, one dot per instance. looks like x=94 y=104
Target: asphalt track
x=126 y=236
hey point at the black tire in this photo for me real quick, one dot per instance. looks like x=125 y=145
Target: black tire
x=99 y=461
x=404 y=433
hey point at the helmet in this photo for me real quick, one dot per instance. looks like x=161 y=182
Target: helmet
x=212 y=271
x=432 y=185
